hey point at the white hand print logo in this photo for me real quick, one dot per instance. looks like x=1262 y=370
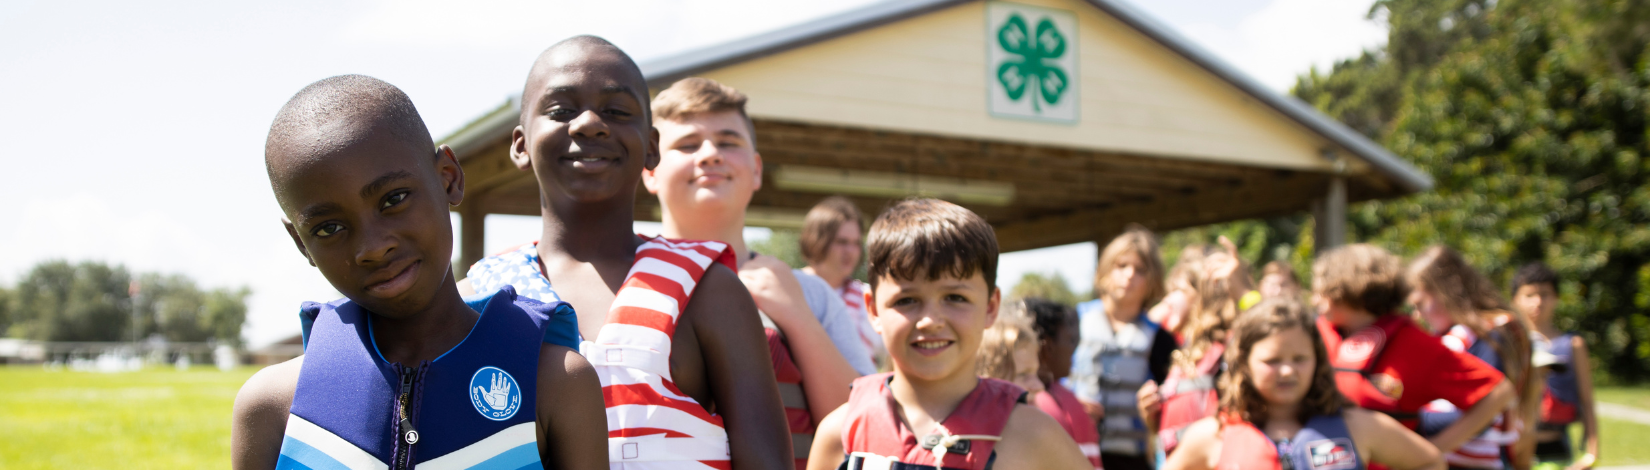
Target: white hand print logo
x=498 y=396
x=494 y=393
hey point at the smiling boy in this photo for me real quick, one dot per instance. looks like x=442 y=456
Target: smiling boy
x=933 y=268
x=705 y=179
x=673 y=334
x=402 y=372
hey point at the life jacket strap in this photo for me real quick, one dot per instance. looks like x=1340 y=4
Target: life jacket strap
x=658 y=448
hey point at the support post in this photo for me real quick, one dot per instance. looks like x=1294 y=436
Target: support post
x=472 y=235
x=1329 y=213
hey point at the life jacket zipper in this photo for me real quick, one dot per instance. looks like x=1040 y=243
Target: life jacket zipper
x=406 y=433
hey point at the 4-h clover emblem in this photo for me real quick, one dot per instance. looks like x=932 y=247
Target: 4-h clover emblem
x=1032 y=62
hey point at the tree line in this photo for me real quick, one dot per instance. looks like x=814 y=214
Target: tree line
x=93 y=301
x=1533 y=116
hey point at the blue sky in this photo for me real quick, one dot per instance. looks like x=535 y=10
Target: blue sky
x=134 y=130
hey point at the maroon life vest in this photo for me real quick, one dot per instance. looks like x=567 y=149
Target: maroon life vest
x=789 y=377
x=1189 y=396
x=873 y=431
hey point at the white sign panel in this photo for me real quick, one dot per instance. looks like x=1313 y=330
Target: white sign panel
x=1031 y=62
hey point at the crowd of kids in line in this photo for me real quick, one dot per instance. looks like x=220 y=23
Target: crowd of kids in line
x=688 y=350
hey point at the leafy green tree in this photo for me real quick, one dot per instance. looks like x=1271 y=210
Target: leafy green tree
x=1531 y=116
x=58 y=301
x=175 y=308
x=5 y=310
x=1051 y=286
x=784 y=244
x=91 y=301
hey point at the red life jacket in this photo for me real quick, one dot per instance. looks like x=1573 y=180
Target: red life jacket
x=873 y=434
x=1324 y=443
x=1189 y=396
x=797 y=416
x=1354 y=359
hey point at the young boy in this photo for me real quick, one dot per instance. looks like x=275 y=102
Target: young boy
x=673 y=334
x=1056 y=327
x=707 y=174
x=933 y=266
x=1569 y=389
x=1384 y=362
x=401 y=373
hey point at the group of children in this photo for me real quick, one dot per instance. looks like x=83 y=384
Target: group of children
x=1352 y=381
x=689 y=350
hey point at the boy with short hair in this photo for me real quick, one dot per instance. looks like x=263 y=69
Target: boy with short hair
x=402 y=372
x=671 y=331
x=707 y=173
x=1568 y=393
x=933 y=266
x=1384 y=362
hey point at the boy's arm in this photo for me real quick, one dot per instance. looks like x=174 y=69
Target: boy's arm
x=1199 y=448
x=827 y=452
x=1389 y=443
x=1032 y=439
x=825 y=373
x=572 y=421
x=739 y=371
x=1583 y=365
x=1475 y=419
x=259 y=422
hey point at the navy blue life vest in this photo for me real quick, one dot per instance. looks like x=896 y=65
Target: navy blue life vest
x=472 y=407
x=1323 y=444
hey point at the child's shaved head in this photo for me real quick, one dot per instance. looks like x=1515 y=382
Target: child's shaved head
x=578 y=49
x=335 y=113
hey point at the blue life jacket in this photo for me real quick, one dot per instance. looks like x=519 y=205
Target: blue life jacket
x=1323 y=444
x=472 y=407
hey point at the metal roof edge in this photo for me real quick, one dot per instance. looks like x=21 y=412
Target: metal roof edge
x=1406 y=175
x=663 y=71
x=501 y=120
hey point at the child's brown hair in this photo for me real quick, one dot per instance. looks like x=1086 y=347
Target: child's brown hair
x=1473 y=301
x=695 y=95
x=1239 y=398
x=925 y=238
x=1208 y=320
x=1012 y=331
x=1362 y=276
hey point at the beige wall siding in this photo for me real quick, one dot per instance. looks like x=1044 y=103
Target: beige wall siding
x=928 y=74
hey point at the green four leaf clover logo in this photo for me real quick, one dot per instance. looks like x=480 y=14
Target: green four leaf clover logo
x=1035 y=68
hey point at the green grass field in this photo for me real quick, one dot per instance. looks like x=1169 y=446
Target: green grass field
x=163 y=418
x=158 y=418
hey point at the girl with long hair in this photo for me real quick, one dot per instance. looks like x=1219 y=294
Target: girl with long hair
x=1189 y=393
x=1279 y=407
x=1467 y=312
x=1119 y=349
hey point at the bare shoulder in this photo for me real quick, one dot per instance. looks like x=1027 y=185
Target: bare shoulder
x=1033 y=439
x=270 y=389
x=827 y=450
x=562 y=364
x=1199 y=447
x=259 y=418
x=720 y=294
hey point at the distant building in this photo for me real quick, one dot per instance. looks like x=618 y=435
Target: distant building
x=1059 y=121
